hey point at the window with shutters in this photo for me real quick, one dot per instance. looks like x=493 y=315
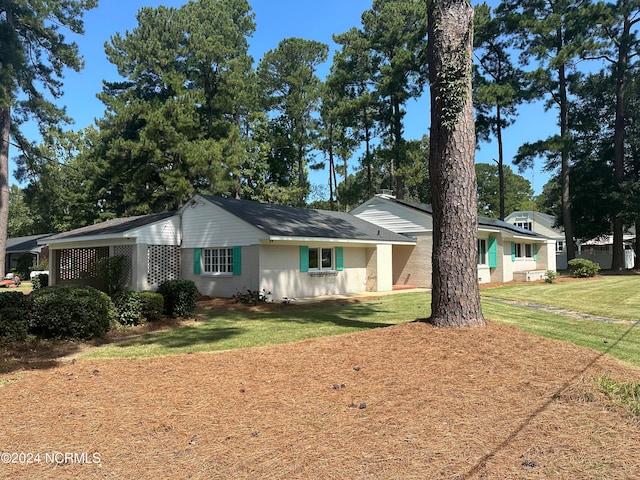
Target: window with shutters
x=217 y=260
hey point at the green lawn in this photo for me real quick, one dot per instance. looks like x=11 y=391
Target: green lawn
x=237 y=329
x=615 y=296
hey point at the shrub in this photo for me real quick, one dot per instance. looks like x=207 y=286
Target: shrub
x=40 y=281
x=180 y=297
x=550 y=276
x=581 y=267
x=111 y=271
x=15 y=300
x=24 y=265
x=128 y=307
x=71 y=312
x=152 y=305
x=13 y=324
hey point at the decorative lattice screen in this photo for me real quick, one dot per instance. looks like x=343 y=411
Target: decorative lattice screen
x=76 y=263
x=164 y=263
x=125 y=251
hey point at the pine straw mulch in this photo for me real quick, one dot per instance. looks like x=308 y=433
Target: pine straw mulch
x=403 y=402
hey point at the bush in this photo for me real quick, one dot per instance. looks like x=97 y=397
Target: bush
x=550 y=276
x=13 y=324
x=40 y=281
x=128 y=307
x=71 y=312
x=581 y=267
x=152 y=305
x=180 y=297
x=15 y=300
x=111 y=271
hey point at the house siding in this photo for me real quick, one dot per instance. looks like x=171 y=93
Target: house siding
x=281 y=275
x=166 y=232
x=207 y=225
x=412 y=264
x=224 y=285
x=394 y=217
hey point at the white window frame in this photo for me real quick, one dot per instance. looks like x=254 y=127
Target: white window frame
x=483 y=255
x=559 y=246
x=524 y=251
x=320 y=259
x=217 y=261
x=525 y=225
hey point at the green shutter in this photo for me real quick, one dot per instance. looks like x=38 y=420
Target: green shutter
x=493 y=253
x=237 y=260
x=339 y=259
x=197 y=264
x=304 y=258
x=535 y=251
x=513 y=251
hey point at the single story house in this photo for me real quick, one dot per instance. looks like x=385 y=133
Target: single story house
x=226 y=246
x=505 y=252
x=598 y=250
x=18 y=246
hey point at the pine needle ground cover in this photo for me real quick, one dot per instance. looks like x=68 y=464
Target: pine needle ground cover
x=406 y=401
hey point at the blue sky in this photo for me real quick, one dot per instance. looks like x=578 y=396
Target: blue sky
x=275 y=20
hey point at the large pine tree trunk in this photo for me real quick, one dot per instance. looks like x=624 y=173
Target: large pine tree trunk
x=455 y=292
x=5 y=125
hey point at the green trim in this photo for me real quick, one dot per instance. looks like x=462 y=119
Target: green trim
x=304 y=258
x=493 y=252
x=339 y=259
x=197 y=262
x=513 y=251
x=237 y=260
x=535 y=251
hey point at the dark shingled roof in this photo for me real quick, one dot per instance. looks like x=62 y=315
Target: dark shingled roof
x=284 y=221
x=24 y=244
x=482 y=221
x=117 y=225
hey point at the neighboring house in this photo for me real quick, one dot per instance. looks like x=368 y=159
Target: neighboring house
x=599 y=250
x=18 y=246
x=226 y=246
x=505 y=252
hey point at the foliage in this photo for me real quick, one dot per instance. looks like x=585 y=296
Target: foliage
x=626 y=393
x=291 y=93
x=40 y=281
x=179 y=121
x=128 y=307
x=518 y=194
x=581 y=268
x=550 y=276
x=252 y=297
x=180 y=297
x=111 y=271
x=34 y=57
x=14 y=324
x=24 y=265
x=13 y=299
x=152 y=305
x=71 y=312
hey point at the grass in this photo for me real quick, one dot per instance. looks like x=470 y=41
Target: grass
x=620 y=340
x=225 y=330
x=627 y=394
x=616 y=296
x=25 y=287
